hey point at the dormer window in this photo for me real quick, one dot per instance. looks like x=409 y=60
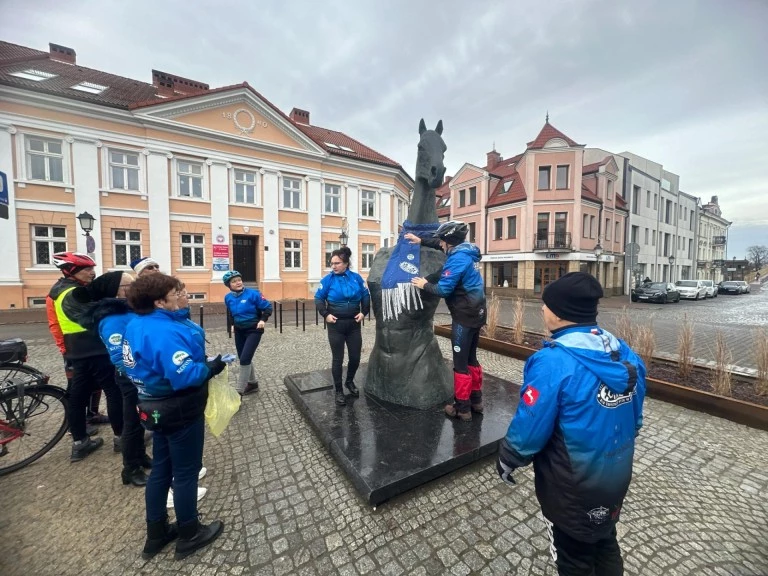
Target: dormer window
x=89 y=87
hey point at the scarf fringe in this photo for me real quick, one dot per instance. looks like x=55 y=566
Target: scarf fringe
x=394 y=301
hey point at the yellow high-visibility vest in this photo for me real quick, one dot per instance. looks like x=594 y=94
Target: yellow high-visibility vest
x=67 y=326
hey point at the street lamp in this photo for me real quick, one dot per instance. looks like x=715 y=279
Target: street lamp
x=598 y=252
x=343 y=236
x=86 y=223
x=671 y=268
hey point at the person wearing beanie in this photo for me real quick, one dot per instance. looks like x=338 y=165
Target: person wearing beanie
x=463 y=289
x=580 y=409
x=146 y=265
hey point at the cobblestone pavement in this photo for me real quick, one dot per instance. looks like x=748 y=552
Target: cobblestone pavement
x=697 y=504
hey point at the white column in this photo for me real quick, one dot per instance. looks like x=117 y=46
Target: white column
x=316 y=249
x=272 y=246
x=85 y=162
x=159 y=208
x=385 y=215
x=219 y=208
x=353 y=223
x=9 y=239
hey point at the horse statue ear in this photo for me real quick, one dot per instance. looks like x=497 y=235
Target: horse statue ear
x=422 y=127
x=439 y=128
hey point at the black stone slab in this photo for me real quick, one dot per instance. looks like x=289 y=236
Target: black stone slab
x=386 y=449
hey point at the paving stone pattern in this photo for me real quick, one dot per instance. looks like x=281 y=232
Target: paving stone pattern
x=697 y=504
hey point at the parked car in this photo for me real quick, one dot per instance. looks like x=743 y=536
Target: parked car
x=691 y=289
x=661 y=292
x=744 y=286
x=732 y=287
x=711 y=288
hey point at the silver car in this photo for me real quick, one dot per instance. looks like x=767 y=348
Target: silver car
x=711 y=288
x=691 y=289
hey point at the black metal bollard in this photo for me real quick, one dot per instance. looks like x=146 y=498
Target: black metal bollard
x=317 y=317
x=274 y=311
x=303 y=316
x=297 y=313
x=201 y=317
x=281 y=317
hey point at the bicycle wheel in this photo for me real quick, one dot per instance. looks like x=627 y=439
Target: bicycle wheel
x=30 y=425
x=20 y=373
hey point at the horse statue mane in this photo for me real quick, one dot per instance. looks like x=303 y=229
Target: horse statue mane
x=406 y=366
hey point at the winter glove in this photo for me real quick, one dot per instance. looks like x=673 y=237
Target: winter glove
x=505 y=472
x=216 y=365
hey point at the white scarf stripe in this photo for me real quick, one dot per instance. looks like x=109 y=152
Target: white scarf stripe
x=404 y=296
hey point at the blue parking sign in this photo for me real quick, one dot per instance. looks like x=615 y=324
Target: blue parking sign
x=3 y=196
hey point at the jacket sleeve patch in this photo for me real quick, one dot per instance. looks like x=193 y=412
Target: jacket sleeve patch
x=530 y=396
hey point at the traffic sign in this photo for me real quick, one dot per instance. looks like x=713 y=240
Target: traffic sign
x=3 y=196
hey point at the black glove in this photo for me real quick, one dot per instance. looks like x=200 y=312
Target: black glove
x=505 y=472
x=216 y=365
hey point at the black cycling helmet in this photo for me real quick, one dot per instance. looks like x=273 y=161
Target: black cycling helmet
x=452 y=232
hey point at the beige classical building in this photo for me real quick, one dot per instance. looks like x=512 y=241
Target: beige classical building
x=201 y=179
x=712 y=242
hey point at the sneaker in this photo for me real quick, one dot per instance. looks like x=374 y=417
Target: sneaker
x=201 y=475
x=250 y=388
x=200 y=494
x=82 y=448
x=340 y=399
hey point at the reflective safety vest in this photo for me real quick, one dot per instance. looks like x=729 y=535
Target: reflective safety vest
x=67 y=326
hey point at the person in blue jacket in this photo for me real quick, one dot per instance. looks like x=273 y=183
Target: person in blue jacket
x=343 y=300
x=464 y=291
x=250 y=312
x=109 y=315
x=581 y=407
x=168 y=366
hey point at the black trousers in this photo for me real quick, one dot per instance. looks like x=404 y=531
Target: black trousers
x=464 y=341
x=345 y=331
x=133 y=431
x=246 y=342
x=576 y=558
x=88 y=375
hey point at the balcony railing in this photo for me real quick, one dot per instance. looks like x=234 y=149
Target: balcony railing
x=718 y=240
x=552 y=241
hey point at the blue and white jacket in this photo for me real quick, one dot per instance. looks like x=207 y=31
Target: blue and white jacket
x=162 y=356
x=248 y=307
x=581 y=406
x=183 y=315
x=462 y=285
x=343 y=295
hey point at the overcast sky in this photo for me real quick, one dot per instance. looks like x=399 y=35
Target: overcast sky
x=681 y=82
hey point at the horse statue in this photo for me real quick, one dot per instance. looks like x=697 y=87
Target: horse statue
x=406 y=366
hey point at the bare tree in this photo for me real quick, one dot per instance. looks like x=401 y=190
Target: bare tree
x=758 y=256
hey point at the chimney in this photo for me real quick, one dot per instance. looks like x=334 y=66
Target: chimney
x=299 y=115
x=62 y=53
x=172 y=85
x=448 y=179
x=714 y=199
x=493 y=159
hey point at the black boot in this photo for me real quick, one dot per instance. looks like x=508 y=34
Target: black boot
x=135 y=476
x=194 y=535
x=159 y=534
x=146 y=461
x=352 y=388
x=340 y=399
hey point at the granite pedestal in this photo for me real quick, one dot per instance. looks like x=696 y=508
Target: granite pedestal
x=386 y=449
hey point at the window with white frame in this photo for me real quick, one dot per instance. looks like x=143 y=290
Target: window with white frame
x=190 y=175
x=498 y=228
x=47 y=241
x=585 y=226
x=292 y=254
x=292 y=193
x=332 y=199
x=192 y=250
x=368 y=252
x=329 y=248
x=45 y=159
x=245 y=187
x=126 y=246
x=368 y=204
x=123 y=170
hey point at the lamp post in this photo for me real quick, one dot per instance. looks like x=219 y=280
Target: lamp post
x=86 y=223
x=598 y=252
x=343 y=236
x=672 y=269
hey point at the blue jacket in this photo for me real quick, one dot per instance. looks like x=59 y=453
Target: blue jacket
x=462 y=285
x=343 y=295
x=248 y=307
x=581 y=406
x=162 y=356
x=183 y=315
x=111 y=330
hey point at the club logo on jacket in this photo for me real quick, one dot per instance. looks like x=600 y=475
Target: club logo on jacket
x=128 y=360
x=598 y=515
x=609 y=398
x=179 y=357
x=115 y=339
x=530 y=396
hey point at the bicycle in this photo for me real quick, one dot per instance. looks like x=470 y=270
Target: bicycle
x=33 y=413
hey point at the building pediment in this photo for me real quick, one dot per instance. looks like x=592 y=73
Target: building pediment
x=467 y=173
x=238 y=113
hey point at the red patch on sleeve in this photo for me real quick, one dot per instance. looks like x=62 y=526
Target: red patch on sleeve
x=447 y=273
x=530 y=396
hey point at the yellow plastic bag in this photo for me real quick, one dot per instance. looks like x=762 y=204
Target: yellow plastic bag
x=223 y=402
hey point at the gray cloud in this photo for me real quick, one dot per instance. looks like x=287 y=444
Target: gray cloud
x=682 y=82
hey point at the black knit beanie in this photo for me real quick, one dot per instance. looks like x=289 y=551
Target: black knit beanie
x=106 y=285
x=573 y=297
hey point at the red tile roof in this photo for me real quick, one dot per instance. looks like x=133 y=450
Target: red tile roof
x=587 y=194
x=506 y=167
x=132 y=95
x=589 y=168
x=547 y=133
x=620 y=202
x=515 y=193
